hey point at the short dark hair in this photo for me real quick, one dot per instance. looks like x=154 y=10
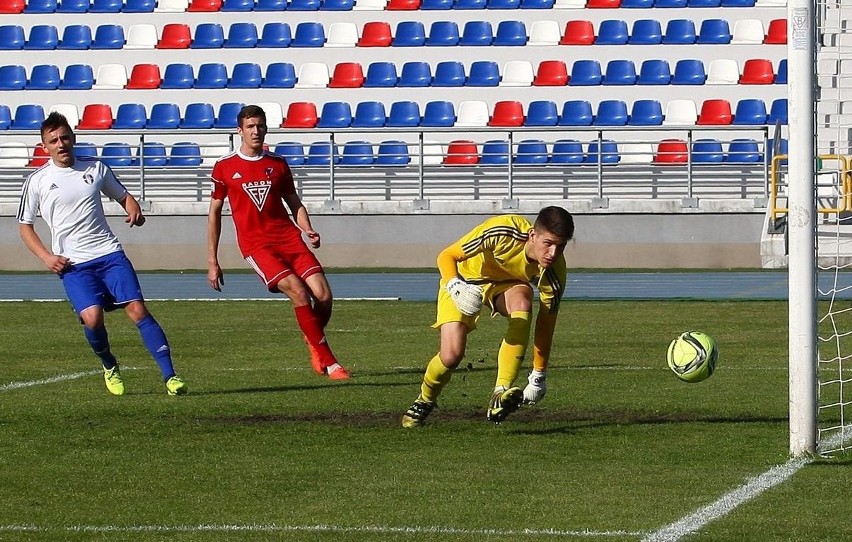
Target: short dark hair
x=557 y=221
x=250 y=111
x=53 y=121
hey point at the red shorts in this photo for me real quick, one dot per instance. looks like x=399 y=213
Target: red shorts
x=273 y=263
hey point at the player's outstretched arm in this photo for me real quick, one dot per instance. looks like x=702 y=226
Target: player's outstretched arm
x=215 y=277
x=133 y=210
x=33 y=242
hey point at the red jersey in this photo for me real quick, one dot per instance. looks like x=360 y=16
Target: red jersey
x=255 y=187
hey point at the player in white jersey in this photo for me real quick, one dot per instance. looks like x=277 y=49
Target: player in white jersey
x=85 y=253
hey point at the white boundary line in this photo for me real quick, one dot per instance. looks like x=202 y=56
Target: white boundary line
x=52 y=380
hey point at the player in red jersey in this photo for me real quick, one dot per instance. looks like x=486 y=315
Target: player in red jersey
x=258 y=184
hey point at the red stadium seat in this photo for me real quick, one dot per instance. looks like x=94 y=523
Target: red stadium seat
x=40 y=156
x=204 y=5
x=507 y=113
x=578 y=33
x=376 y=34
x=12 y=6
x=776 y=34
x=757 y=71
x=175 y=36
x=403 y=5
x=603 y=4
x=96 y=117
x=144 y=76
x=715 y=112
x=671 y=151
x=347 y=75
x=551 y=73
x=461 y=153
x=301 y=115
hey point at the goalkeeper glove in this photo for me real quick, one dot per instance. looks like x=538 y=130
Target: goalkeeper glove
x=537 y=387
x=467 y=297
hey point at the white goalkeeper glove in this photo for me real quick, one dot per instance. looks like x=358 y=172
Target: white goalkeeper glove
x=467 y=297
x=537 y=387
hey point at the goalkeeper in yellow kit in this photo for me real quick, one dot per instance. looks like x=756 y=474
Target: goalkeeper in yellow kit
x=495 y=265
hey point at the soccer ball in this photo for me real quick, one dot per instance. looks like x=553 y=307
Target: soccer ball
x=692 y=356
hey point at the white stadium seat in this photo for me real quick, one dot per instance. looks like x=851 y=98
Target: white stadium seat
x=517 y=73
x=312 y=75
x=680 y=113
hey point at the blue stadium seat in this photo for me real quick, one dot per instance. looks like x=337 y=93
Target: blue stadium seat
x=511 y=33
x=44 y=77
x=783 y=148
x=208 y=36
x=484 y=73
x=680 y=32
x=76 y=36
x=292 y=151
x=77 y=77
x=542 y=113
x=116 y=154
x=178 y=76
x=608 y=152
x=381 y=74
x=438 y=113
x=470 y=4
x=303 y=5
x=28 y=117
x=585 y=73
x=537 y=4
x=184 y=154
x=567 y=151
x=443 y=34
x=72 y=6
x=198 y=115
x=270 y=5
x=781 y=75
x=477 y=33
x=714 y=31
x=151 y=154
x=675 y=4
x=245 y=75
x=612 y=32
x=689 y=72
x=449 y=73
x=430 y=5
x=369 y=114
x=337 y=5
x=405 y=113
x=750 y=111
x=106 y=6
x=703 y=3
x=279 y=75
x=40 y=6
x=738 y=3
x=503 y=4
x=13 y=77
x=654 y=72
x=163 y=116
x=611 y=113
x=84 y=149
x=409 y=34
x=138 y=6
x=743 y=151
x=335 y=115
x=620 y=72
x=576 y=113
x=646 y=112
x=241 y=36
x=357 y=153
x=707 y=151
x=393 y=153
x=212 y=75
x=43 y=37
x=5 y=117
x=646 y=32
x=320 y=153
x=275 y=35
x=108 y=36
x=130 y=116
x=495 y=152
x=308 y=34
x=415 y=74
x=237 y=5
x=531 y=151
x=637 y=4
x=227 y=115
x=778 y=111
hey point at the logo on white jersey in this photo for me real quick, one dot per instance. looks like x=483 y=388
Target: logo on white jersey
x=53 y=186
x=88 y=179
x=258 y=191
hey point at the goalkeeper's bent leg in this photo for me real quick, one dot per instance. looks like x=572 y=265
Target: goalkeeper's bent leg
x=436 y=377
x=513 y=348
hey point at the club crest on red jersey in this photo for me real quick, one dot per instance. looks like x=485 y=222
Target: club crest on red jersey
x=258 y=192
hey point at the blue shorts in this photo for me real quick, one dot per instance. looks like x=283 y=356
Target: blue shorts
x=107 y=282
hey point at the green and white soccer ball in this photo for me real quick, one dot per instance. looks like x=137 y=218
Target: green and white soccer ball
x=692 y=356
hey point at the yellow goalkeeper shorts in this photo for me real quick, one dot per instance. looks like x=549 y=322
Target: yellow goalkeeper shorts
x=448 y=312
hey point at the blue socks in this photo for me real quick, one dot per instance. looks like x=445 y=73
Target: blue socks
x=99 y=341
x=155 y=341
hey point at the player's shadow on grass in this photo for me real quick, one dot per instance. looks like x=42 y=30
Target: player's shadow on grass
x=302 y=387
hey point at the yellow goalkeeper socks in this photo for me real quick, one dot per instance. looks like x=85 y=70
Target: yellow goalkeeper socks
x=513 y=348
x=434 y=380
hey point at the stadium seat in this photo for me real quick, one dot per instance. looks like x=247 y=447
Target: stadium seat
x=5 y=117
x=781 y=74
x=510 y=33
x=301 y=115
x=313 y=75
x=646 y=32
x=605 y=153
x=477 y=34
x=342 y=34
x=415 y=74
x=77 y=77
x=116 y=154
x=707 y=151
x=96 y=117
x=783 y=148
x=245 y=75
x=151 y=154
x=392 y=153
x=198 y=115
x=507 y=113
x=85 y=149
x=776 y=33
x=612 y=32
x=704 y=3
x=654 y=72
x=620 y=72
x=461 y=152
x=308 y=34
x=320 y=153
x=432 y=5
x=171 y=6
x=714 y=31
x=227 y=115
x=637 y=4
x=495 y=152
x=403 y=5
x=567 y=151
x=357 y=153
x=375 y=34
x=274 y=113
x=184 y=154
x=483 y=73
x=72 y=6
x=778 y=111
x=208 y=36
x=470 y=4
x=585 y=73
x=503 y=4
x=212 y=75
x=646 y=112
x=337 y=5
x=130 y=116
x=579 y=32
x=716 y=112
x=519 y=73
x=473 y=113
x=680 y=113
x=438 y=113
x=569 y=4
x=164 y=116
x=636 y=153
x=241 y=36
x=204 y=5
x=738 y=3
x=12 y=7
x=748 y=32
x=141 y=36
x=110 y=77
x=178 y=76
x=443 y=34
x=449 y=73
x=611 y=113
x=680 y=32
x=576 y=113
x=541 y=113
x=531 y=151
x=671 y=151
x=67 y=110
x=138 y=6
x=28 y=117
x=544 y=33
x=370 y=5
x=14 y=154
x=13 y=77
x=381 y=74
x=347 y=75
x=304 y=5
x=76 y=36
x=404 y=114
x=723 y=71
x=292 y=151
x=743 y=151
x=335 y=115
x=757 y=71
x=144 y=76
x=750 y=111
x=40 y=6
x=279 y=75
x=175 y=36
x=44 y=37
x=409 y=34
x=108 y=36
x=369 y=114
x=44 y=77
x=275 y=34
x=672 y=4
x=237 y=5
x=689 y=72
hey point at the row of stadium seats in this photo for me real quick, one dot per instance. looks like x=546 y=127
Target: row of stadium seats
x=372 y=114
x=407 y=34
x=176 y=6
x=483 y=73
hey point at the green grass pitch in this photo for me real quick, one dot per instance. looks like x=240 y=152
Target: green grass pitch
x=262 y=449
